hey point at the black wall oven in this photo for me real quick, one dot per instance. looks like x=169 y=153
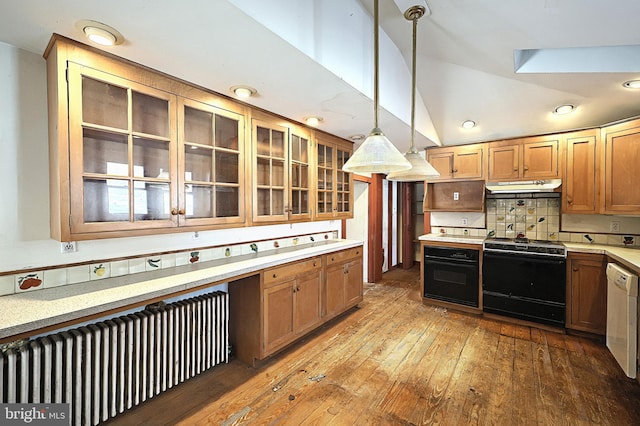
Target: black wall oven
x=451 y=275
x=525 y=281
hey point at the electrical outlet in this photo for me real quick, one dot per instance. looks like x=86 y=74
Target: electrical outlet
x=464 y=221
x=614 y=226
x=68 y=247
x=456 y=196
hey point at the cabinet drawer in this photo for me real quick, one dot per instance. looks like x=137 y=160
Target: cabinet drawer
x=343 y=255
x=277 y=275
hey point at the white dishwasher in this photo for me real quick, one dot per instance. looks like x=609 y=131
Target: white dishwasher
x=622 y=317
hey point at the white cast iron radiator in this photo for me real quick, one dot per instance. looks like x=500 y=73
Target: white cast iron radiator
x=105 y=368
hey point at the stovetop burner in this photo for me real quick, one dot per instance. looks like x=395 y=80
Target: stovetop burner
x=525 y=245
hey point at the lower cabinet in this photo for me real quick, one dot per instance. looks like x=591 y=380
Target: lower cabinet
x=344 y=281
x=292 y=306
x=271 y=310
x=587 y=293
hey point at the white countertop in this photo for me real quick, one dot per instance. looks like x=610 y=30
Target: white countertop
x=29 y=311
x=446 y=238
x=629 y=257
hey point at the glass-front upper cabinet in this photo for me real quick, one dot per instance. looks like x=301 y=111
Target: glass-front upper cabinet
x=270 y=171
x=334 y=197
x=211 y=164
x=300 y=177
x=122 y=153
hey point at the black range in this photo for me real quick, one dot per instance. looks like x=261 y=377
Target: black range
x=525 y=279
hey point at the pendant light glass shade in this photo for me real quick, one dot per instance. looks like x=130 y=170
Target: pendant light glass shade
x=376 y=154
x=420 y=169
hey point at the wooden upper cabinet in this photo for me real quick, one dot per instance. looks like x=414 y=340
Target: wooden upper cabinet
x=460 y=162
x=135 y=152
x=270 y=144
x=540 y=158
x=123 y=159
x=528 y=158
x=504 y=162
x=210 y=164
x=334 y=197
x=581 y=183
x=300 y=176
x=622 y=156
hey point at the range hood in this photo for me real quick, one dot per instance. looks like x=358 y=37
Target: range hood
x=520 y=187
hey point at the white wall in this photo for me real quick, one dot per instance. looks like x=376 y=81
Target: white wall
x=24 y=184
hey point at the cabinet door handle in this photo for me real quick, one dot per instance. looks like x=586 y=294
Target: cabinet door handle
x=174 y=212
x=332 y=259
x=575 y=269
x=181 y=212
x=357 y=252
x=515 y=169
x=275 y=275
x=454 y=171
x=314 y=263
x=526 y=168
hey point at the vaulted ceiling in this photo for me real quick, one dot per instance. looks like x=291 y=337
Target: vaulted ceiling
x=314 y=57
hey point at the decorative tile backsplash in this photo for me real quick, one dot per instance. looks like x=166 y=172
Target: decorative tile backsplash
x=98 y=270
x=533 y=218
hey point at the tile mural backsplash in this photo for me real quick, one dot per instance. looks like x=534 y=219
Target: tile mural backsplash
x=533 y=218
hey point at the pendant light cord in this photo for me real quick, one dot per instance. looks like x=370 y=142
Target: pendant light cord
x=413 y=14
x=376 y=63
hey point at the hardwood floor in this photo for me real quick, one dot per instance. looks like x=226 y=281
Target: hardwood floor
x=394 y=361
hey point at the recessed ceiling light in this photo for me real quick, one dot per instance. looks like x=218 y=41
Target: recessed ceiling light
x=632 y=84
x=313 y=120
x=243 y=92
x=100 y=33
x=564 y=109
x=468 y=124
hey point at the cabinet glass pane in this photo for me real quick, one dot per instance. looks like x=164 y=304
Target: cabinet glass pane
x=277 y=173
x=325 y=156
x=300 y=202
x=277 y=201
x=263 y=139
x=304 y=154
x=264 y=171
x=226 y=133
x=277 y=144
x=198 y=164
x=150 y=158
x=199 y=201
x=103 y=150
x=343 y=157
x=104 y=104
x=227 y=167
x=328 y=184
x=198 y=126
x=106 y=200
x=299 y=176
x=264 y=202
x=295 y=147
x=150 y=201
x=227 y=201
x=150 y=115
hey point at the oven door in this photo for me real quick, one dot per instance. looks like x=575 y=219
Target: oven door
x=450 y=280
x=524 y=286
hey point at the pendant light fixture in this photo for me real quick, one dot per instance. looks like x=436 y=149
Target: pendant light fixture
x=376 y=154
x=420 y=169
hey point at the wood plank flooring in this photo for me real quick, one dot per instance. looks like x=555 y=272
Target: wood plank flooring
x=394 y=361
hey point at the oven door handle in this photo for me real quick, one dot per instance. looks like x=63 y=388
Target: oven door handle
x=450 y=262
x=530 y=258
